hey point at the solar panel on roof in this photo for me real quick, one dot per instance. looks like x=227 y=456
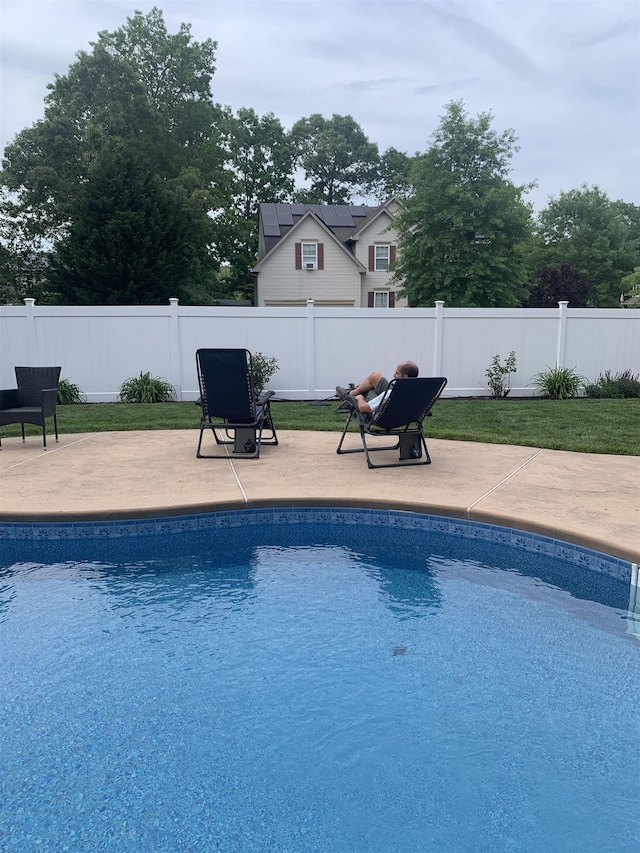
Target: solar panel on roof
x=329 y=216
x=270 y=226
x=284 y=214
x=298 y=209
x=345 y=220
x=357 y=210
x=314 y=208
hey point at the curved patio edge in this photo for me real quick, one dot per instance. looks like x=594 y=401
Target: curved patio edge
x=588 y=500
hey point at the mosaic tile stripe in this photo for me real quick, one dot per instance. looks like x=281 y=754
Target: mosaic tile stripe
x=533 y=542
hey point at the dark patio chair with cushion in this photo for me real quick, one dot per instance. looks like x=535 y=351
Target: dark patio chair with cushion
x=33 y=401
x=400 y=415
x=230 y=407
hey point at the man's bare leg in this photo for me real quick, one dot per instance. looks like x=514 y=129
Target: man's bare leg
x=368 y=384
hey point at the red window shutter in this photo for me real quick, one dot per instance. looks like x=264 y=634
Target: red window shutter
x=320 y=256
x=370 y=299
x=392 y=299
x=392 y=255
x=298 y=256
x=372 y=258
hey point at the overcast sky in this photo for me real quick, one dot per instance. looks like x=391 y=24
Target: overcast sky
x=564 y=74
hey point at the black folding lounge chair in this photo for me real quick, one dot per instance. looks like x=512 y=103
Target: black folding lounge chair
x=33 y=401
x=400 y=415
x=230 y=407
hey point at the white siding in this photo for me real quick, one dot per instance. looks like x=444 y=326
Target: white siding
x=376 y=233
x=280 y=283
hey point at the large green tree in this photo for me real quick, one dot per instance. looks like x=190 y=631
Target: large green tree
x=393 y=175
x=337 y=158
x=23 y=260
x=598 y=237
x=260 y=160
x=463 y=226
x=120 y=176
x=133 y=240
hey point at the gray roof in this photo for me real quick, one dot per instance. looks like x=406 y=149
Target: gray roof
x=343 y=220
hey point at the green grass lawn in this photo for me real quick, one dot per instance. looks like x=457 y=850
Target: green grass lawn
x=584 y=424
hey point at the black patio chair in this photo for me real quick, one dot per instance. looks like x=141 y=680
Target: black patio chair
x=230 y=407
x=400 y=415
x=33 y=401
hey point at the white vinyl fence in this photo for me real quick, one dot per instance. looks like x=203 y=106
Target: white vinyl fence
x=99 y=347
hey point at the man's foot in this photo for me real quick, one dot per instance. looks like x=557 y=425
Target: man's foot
x=344 y=392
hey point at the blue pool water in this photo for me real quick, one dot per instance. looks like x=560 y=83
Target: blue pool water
x=314 y=686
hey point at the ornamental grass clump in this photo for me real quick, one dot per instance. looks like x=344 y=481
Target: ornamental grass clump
x=146 y=389
x=619 y=386
x=69 y=393
x=559 y=383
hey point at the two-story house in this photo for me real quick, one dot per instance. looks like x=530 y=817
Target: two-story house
x=335 y=254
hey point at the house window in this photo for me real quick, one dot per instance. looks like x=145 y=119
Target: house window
x=309 y=255
x=382 y=258
x=381 y=299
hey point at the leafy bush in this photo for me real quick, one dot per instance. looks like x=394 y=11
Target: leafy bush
x=264 y=367
x=550 y=284
x=498 y=375
x=624 y=384
x=559 y=383
x=146 y=389
x=69 y=393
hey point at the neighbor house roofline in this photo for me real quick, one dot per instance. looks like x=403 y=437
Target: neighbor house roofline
x=382 y=210
x=331 y=236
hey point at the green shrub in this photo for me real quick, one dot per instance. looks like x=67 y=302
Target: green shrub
x=146 y=389
x=559 y=383
x=264 y=367
x=624 y=384
x=498 y=375
x=69 y=393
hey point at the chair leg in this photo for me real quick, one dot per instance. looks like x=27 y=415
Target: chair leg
x=272 y=439
x=55 y=425
x=339 y=449
x=22 y=428
x=44 y=434
x=198 y=454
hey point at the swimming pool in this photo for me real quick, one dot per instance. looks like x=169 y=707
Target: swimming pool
x=311 y=679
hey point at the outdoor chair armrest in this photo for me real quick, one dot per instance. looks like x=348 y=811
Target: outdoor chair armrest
x=264 y=396
x=49 y=400
x=9 y=398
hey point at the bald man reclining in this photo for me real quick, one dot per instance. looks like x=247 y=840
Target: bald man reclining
x=369 y=393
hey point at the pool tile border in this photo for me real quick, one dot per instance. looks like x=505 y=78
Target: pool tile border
x=169 y=525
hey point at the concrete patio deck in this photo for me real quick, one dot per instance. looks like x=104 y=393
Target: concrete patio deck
x=588 y=499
